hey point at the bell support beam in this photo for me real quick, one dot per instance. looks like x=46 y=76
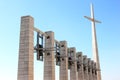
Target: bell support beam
x=44 y=34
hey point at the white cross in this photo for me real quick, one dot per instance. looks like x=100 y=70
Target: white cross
x=94 y=41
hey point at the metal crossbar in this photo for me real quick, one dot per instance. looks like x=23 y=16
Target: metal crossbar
x=37 y=30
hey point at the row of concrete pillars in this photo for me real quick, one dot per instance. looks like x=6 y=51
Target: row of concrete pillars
x=81 y=67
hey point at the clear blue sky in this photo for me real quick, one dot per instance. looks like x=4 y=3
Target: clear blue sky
x=65 y=18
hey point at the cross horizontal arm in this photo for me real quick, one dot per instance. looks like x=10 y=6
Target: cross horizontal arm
x=91 y=19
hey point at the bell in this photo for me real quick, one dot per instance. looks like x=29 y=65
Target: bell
x=88 y=69
x=57 y=53
x=84 y=68
x=40 y=52
x=58 y=61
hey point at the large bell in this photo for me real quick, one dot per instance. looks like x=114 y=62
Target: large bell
x=78 y=65
x=70 y=62
x=58 y=58
x=40 y=52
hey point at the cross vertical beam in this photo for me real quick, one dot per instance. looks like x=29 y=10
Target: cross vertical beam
x=94 y=42
x=25 y=64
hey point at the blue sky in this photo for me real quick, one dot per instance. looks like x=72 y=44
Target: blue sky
x=65 y=18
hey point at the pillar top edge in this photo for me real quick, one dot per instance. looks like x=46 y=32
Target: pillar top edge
x=72 y=48
x=26 y=16
x=64 y=41
x=49 y=31
x=85 y=56
x=89 y=59
x=92 y=61
x=79 y=54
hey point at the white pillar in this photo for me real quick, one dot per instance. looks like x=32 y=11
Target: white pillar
x=94 y=42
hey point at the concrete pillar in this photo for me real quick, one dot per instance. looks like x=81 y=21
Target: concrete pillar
x=49 y=65
x=25 y=64
x=90 y=69
x=94 y=71
x=64 y=61
x=81 y=70
x=85 y=62
x=73 y=69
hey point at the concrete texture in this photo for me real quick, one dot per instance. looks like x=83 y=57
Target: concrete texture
x=25 y=64
x=73 y=69
x=64 y=61
x=49 y=65
x=90 y=69
x=85 y=62
x=81 y=70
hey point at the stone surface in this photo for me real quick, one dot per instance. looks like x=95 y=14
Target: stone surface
x=93 y=71
x=85 y=62
x=90 y=69
x=81 y=70
x=94 y=76
x=25 y=64
x=49 y=65
x=73 y=69
x=64 y=61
